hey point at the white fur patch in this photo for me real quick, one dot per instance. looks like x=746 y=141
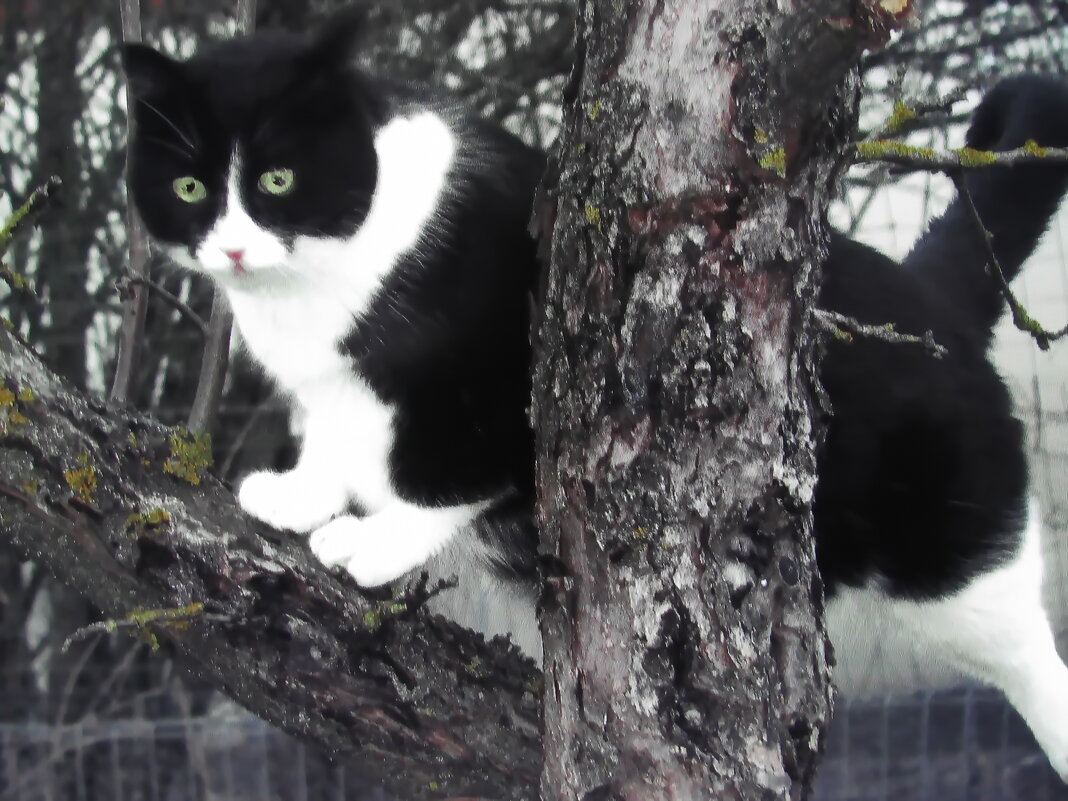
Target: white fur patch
x=387 y=544
x=482 y=600
x=995 y=630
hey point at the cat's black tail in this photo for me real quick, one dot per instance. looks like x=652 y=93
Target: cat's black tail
x=1014 y=203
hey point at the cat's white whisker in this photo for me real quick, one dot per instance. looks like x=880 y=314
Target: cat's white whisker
x=164 y=118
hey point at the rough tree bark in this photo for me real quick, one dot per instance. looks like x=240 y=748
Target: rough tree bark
x=123 y=510
x=685 y=649
x=684 y=644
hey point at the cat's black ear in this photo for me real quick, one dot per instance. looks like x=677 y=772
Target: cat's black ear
x=148 y=71
x=337 y=38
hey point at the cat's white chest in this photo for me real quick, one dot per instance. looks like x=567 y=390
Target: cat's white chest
x=293 y=336
x=347 y=430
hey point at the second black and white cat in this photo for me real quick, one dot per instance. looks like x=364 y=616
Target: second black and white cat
x=372 y=242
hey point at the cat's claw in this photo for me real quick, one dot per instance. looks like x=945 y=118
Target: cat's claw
x=289 y=500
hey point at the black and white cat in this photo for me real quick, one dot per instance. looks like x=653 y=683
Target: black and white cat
x=371 y=239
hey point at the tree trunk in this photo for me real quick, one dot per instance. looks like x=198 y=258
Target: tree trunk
x=685 y=651
x=684 y=648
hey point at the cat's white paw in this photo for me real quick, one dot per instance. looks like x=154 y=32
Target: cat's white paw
x=290 y=500
x=369 y=548
x=384 y=546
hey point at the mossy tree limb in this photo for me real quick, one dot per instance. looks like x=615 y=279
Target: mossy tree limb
x=373 y=678
x=911 y=157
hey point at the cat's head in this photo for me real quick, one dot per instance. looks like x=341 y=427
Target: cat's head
x=250 y=145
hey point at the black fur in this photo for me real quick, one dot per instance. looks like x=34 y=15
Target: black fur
x=923 y=477
x=266 y=92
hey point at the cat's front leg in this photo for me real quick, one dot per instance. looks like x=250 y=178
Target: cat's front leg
x=300 y=499
x=398 y=538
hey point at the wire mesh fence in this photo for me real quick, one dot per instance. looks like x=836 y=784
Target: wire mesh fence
x=958 y=745
x=965 y=744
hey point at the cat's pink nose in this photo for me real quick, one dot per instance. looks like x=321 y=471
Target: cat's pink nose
x=236 y=257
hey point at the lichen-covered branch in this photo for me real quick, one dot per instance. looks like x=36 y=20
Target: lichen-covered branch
x=842 y=327
x=912 y=157
x=125 y=511
x=24 y=214
x=904 y=117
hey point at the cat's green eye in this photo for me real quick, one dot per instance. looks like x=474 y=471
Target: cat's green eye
x=189 y=189
x=277 y=182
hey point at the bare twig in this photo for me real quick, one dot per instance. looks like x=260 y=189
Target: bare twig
x=911 y=157
x=133 y=318
x=35 y=203
x=845 y=328
x=128 y=279
x=908 y=116
x=1021 y=318
x=271 y=403
x=217 y=349
x=212 y=367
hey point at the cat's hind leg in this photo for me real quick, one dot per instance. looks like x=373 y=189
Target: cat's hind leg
x=394 y=540
x=996 y=630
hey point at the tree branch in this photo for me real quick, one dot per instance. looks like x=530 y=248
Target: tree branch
x=907 y=117
x=24 y=214
x=122 y=284
x=213 y=366
x=1020 y=316
x=411 y=700
x=842 y=327
x=911 y=157
x=130 y=343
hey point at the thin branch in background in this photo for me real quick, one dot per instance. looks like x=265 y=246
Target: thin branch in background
x=1021 y=318
x=125 y=282
x=212 y=367
x=845 y=328
x=911 y=157
x=907 y=117
x=217 y=349
x=136 y=307
x=246 y=15
x=24 y=214
x=271 y=403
